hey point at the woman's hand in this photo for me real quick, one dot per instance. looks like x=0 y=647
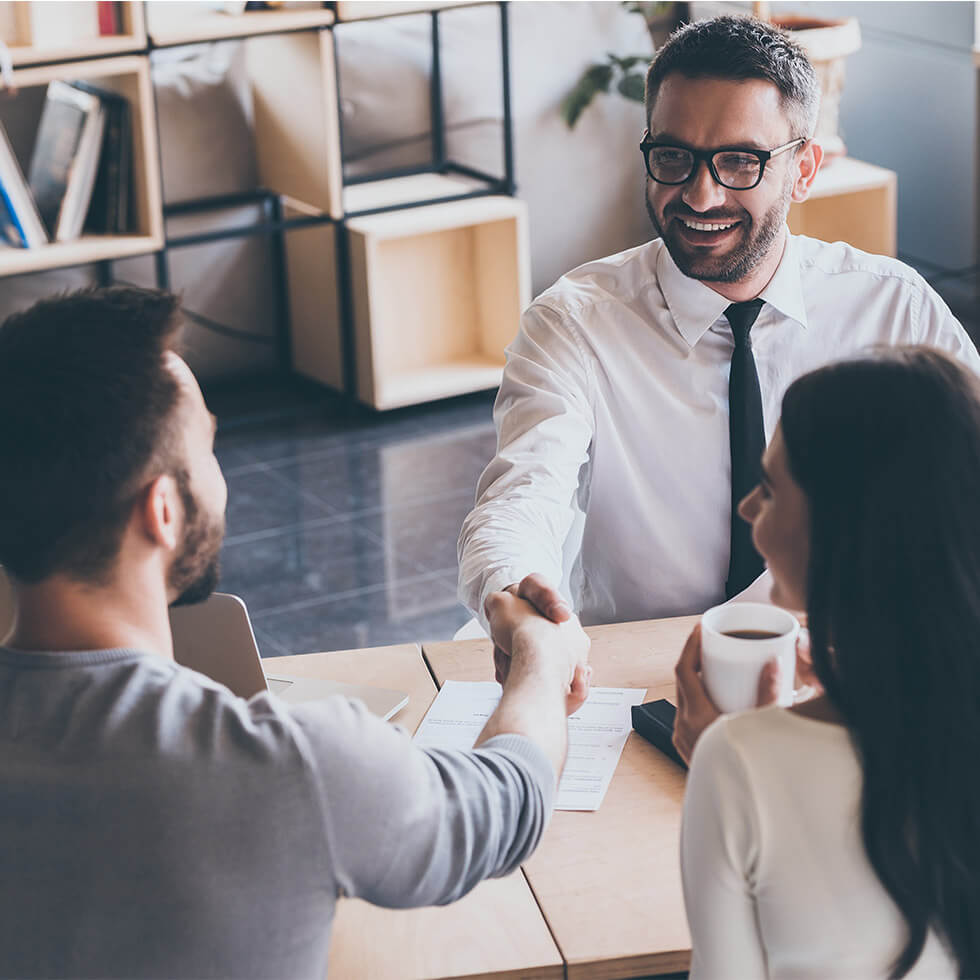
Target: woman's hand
x=695 y=709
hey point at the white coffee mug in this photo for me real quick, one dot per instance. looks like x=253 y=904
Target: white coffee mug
x=731 y=665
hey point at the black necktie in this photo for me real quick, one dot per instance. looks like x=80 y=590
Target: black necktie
x=748 y=440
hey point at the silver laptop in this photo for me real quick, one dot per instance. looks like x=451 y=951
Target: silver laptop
x=215 y=638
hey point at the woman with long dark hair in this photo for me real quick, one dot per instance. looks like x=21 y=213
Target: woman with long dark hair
x=841 y=837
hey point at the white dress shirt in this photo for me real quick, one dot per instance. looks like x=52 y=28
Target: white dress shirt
x=612 y=419
x=777 y=882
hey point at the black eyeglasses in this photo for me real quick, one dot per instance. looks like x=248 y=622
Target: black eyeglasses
x=737 y=169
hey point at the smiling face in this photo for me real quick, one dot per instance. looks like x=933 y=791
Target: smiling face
x=714 y=234
x=779 y=513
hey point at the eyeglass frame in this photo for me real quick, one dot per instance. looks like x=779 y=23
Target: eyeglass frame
x=763 y=156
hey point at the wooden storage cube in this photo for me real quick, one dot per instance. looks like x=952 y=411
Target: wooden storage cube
x=171 y=23
x=314 y=315
x=128 y=76
x=15 y=31
x=297 y=128
x=438 y=292
x=852 y=202
x=407 y=191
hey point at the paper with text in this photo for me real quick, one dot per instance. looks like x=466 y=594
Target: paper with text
x=597 y=733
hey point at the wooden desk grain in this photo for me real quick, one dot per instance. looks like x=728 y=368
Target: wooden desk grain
x=609 y=882
x=497 y=931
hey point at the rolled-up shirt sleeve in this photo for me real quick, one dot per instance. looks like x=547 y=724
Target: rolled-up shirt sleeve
x=407 y=826
x=525 y=498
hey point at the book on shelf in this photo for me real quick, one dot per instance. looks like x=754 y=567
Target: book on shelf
x=108 y=212
x=66 y=158
x=110 y=17
x=20 y=223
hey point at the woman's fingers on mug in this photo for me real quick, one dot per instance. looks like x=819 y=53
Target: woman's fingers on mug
x=689 y=662
x=806 y=679
x=768 y=692
x=695 y=710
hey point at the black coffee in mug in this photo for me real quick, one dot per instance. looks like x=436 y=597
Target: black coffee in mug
x=751 y=634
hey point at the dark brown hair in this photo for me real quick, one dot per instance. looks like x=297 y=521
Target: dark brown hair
x=740 y=48
x=88 y=406
x=887 y=450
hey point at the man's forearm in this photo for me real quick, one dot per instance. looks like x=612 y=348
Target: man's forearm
x=533 y=705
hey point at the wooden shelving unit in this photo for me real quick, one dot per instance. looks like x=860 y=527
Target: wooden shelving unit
x=398 y=192
x=129 y=76
x=185 y=27
x=347 y=10
x=133 y=38
x=401 y=288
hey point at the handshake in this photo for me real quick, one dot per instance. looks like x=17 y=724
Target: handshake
x=538 y=641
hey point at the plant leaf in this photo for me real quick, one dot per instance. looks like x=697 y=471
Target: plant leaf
x=595 y=79
x=598 y=76
x=632 y=86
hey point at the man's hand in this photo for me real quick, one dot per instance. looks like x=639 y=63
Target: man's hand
x=536 y=645
x=695 y=709
x=548 y=602
x=543 y=596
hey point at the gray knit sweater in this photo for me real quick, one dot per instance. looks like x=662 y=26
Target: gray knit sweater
x=152 y=824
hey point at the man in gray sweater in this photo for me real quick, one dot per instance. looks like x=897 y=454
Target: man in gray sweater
x=152 y=823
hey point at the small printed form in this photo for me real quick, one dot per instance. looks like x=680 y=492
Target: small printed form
x=597 y=733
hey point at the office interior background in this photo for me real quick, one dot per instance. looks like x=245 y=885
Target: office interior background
x=349 y=474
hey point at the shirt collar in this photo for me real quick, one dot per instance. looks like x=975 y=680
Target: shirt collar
x=696 y=306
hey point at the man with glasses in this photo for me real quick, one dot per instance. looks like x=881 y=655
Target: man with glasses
x=642 y=388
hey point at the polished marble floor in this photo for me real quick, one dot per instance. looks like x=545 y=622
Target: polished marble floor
x=342 y=525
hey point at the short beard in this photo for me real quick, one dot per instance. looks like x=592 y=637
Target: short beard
x=196 y=570
x=744 y=258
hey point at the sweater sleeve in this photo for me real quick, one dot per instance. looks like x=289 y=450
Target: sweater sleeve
x=407 y=826
x=719 y=854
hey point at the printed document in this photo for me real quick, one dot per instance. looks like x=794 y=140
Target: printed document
x=597 y=733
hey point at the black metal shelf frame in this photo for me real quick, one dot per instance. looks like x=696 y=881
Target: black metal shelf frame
x=274 y=225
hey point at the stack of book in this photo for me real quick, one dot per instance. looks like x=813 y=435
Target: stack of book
x=79 y=173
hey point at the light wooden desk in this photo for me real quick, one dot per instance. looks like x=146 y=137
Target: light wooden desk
x=609 y=882
x=496 y=931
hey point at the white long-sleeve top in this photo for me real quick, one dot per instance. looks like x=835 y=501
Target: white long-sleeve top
x=614 y=410
x=777 y=882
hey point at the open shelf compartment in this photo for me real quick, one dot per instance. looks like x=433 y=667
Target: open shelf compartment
x=16 y=20
x=437 y=296
x=129 y=76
